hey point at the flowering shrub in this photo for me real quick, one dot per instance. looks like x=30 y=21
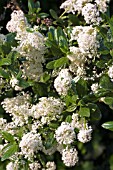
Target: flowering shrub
x=56 y=77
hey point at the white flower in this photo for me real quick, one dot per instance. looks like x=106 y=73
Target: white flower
x=70 y=156
x=110 y=72
x=63 y=82
x=15 y=83
x=34 y=166
x=87 y=44
x=84 y=135
x=91 y=14
x=76 y=56
x=30 y=144
x=65 y=134
x=18 y=22
x=94 y=87
x=12 y=166
x=74 y=5
x=50 y=166
x=48 y=109
x=102 y=5
x=18 y=107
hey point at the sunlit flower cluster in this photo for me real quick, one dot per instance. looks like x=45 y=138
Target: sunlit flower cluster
x=30 y=144
x=18 y=107
x=31 y=44
x=47 y=109
x=90 y=10
x=65 y=134
x=70 y=156
x=63 y=82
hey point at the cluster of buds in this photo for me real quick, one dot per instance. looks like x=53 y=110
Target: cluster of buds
x=45 y=21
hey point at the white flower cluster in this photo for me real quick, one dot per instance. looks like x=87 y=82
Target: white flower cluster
x=18 y=107
x=15 y=83
x=30 y=144
x=110 y=73
x=12 y=166
x=85 y=131
x=102 y=5
x=84 y=135
x=70 y=156
x=94 y=87
x=65 y=134
x=50 y=166
x=91 y=14
x=31 y=45
x=47 y=109
x=74 y=5
x=90 y=11
x=63 y=82
x=86 y=37
x=34 y=166
x=18 y=22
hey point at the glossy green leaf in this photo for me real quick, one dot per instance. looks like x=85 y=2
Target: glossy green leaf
x=94 y=111
x=106 y=83
x=9 y=137
x=9 y=151
x=108 y=101
x=71 y=108
x=108 y=125
x=4 y=74
x=31 y=5
x=5 y=61
x=60 y=62
x=53 y=14
x=50 y=65
x=45 y=77
x=81 y=87
x=84 y=111
x=68 y=119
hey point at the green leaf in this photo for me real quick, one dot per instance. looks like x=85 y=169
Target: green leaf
x=31 y=5
x=23 y=83
x=5 y=61
x=68 y=119
x=60 y=62
x=50 y=65
x=63 y=44
x=111 y=52
x=81 y=87
x=106 y=83
x=43 y=15
x=9 y=151
x=108 y=101
x=71 y=108
x=4 y=74
x=108 y=125
x=84 y=111
x=9 y=137
x=94 y=111
x=74 y=19
x=53 y=14
x=104 y=52
x=45 y=77
x=40 y=89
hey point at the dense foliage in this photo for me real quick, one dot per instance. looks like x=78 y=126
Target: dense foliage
x=56 y=85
